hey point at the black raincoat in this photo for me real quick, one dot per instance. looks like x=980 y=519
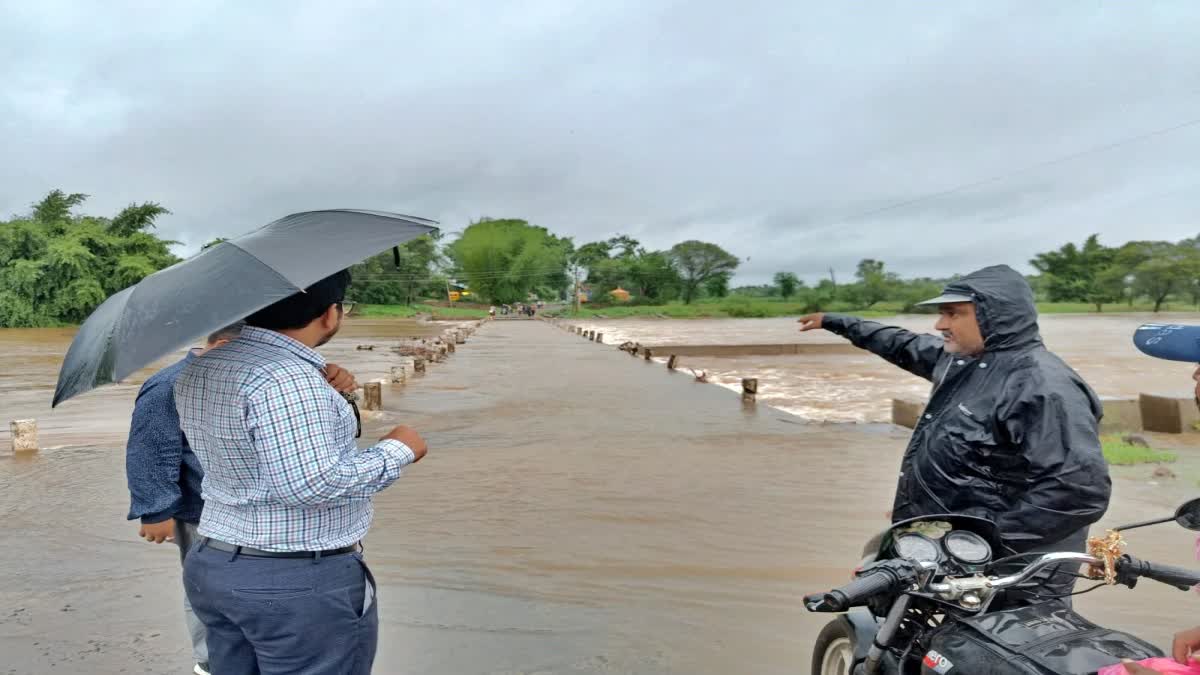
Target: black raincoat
x=1010 y=435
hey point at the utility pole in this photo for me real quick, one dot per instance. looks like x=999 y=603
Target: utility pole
x=576 y=272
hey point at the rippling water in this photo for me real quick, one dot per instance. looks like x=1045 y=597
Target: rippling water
x=859 y=388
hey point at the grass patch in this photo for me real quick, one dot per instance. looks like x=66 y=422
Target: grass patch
x=410 y=311
x=1120 y=453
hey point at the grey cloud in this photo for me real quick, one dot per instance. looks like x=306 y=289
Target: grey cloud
x=767 y=127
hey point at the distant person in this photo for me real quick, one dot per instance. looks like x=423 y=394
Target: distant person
x=492 y=311
x=1011 y=432
x=278 y=577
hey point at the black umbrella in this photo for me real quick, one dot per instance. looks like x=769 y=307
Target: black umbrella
x=221 y=285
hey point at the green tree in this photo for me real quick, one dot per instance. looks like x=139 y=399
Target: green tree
x=1109 y=284
x=382 y=280
x=55 y=208
x=717 y=286
x=915 y=291
x=820 y=297
x=874 y=283
x=787 y=283
x=57 y=267
x=698 y=262
x=136 y=218
x=607 y=274
x=506 y=260
x=1159 y=268
x=591 y=253
x=653 y=276
x=1073 y=274
x=624 y=245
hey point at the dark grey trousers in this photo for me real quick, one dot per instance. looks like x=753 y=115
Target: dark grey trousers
x=284 y=615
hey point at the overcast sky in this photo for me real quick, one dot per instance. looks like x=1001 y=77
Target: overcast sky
x=772 y=128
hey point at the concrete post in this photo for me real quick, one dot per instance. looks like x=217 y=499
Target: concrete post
x=24 y=435
x=372 y=396
x=907 y=412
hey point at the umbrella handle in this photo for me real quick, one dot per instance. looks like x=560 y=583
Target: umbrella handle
x=352 y=398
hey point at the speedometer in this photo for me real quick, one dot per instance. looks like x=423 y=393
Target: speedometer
x=968 y=547
x=917 y=547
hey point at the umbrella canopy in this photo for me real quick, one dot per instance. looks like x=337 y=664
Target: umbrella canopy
x=1174 y=342
x=221 y=285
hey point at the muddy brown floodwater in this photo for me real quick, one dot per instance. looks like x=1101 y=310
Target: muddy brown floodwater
x=858 y=388
x=580 y=512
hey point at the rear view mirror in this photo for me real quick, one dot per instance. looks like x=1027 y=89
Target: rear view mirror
x=1188 y=515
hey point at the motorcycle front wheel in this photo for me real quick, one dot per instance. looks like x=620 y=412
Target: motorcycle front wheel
x=833 y=653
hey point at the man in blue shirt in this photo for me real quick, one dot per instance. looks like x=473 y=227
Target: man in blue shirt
x=278 y=577
x=164 y=475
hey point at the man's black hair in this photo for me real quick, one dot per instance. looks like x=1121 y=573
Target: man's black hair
x=299 y=309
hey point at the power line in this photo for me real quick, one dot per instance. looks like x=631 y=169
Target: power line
x=1015 y=172
x=383 y=276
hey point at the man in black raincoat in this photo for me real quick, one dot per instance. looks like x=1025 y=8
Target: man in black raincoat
x=1010 y=432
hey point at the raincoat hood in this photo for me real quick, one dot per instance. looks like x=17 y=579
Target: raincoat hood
x=1004 y=307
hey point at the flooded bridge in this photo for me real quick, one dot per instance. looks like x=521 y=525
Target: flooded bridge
x=580 y=511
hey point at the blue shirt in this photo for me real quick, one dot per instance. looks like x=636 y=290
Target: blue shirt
x=163 y=474
x=282 y=471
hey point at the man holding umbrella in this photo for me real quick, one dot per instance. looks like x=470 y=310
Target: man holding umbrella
x=278 y=577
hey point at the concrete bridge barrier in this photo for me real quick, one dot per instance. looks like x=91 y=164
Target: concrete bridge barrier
x=1168 y=414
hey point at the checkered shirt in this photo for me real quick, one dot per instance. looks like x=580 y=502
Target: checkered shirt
x=282 y=471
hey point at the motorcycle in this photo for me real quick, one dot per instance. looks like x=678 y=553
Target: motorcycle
x=930 y=597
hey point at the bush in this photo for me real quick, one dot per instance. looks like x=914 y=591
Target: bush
x=742 y=307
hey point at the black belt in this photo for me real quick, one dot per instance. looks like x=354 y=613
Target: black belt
x=219 y=545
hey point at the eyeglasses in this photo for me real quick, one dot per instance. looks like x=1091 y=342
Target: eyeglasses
x=347 y=306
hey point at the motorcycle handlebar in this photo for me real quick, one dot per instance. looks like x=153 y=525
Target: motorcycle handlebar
x=891 y=576
x=1130 y=568
x=885 y=577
